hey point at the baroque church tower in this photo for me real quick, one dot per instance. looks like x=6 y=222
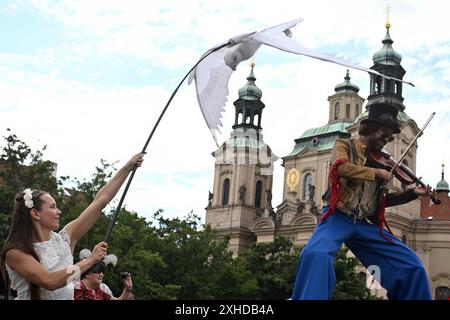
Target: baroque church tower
x=307 y=166
x=243 y=176
x=384 y=91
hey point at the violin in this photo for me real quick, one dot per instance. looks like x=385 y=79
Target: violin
x=384 y=160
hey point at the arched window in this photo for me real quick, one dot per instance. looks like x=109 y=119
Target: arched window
x=307 y=182
x=378 y=85
x=337 y=111
x=357 y=110
x=240 y=117
x=442 y=293
x=258 y=193
x=256 y=119
x=347 y=111
x=404 y=239
x=225 y=191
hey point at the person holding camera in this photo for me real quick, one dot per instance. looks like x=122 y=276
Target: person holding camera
x=91 y=286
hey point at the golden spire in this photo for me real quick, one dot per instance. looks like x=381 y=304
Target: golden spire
x=387 y=11
x=253 y=64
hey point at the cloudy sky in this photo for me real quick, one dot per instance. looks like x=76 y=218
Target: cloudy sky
x=88 y=78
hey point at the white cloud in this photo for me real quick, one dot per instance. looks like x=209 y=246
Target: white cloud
x=137 y=29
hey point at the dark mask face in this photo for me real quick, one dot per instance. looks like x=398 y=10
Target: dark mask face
x=379 y=138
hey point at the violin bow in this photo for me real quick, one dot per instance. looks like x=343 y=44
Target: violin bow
x=412 y=142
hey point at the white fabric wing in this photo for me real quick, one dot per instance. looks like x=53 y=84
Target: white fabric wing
x=281 y=27
x=211 y=81
x=279 y=40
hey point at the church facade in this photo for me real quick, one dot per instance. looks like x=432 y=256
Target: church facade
x=241 y=201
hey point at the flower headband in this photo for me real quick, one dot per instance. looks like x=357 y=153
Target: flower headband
x=28 y=197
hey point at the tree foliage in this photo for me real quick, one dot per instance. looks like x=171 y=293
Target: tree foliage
x=273 y=264
x=21 y=168
x=348 y=284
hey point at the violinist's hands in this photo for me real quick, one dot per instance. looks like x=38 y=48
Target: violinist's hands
x=428 y=191
x=384 y=175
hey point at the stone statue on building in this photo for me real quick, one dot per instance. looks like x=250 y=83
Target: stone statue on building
x=272 y=214
x=312 y=190
x=242 y=190
x=314 y=209
x=269 y=198
x=210 y=199
x=300 y=206
x=258 y=214
x=275 y=216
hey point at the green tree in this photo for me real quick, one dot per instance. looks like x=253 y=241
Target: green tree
x=273 y=264
x=133 y=241
x=200 y=265
x=21 y=168
x=348 y=284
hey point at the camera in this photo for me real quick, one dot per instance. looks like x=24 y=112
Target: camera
x=124 y=275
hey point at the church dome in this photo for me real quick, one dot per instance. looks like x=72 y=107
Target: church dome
x=387 y=55
x=250 y=91
x=442 y=186
x=346 y=86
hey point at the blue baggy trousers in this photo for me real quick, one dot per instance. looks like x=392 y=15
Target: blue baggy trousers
x=401 y=271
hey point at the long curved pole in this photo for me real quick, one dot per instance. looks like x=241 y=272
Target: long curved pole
x=122 y=198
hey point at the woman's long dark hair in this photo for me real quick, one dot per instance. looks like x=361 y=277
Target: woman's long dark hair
x=21 y=236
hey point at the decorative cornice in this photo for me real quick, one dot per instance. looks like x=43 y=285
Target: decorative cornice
x=441 y=280
x=263 y=224
x=304 y=219
x=226 y=172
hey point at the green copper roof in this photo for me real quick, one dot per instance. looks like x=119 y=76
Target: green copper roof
x=250 y=91
x=346 y=86
x=324 y=143
x=326 y=129
x=442 y=186
x=401 y=116
x=321 y=138
x=245 y=142
x=387 y=55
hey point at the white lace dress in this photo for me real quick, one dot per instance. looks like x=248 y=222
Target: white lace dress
x=54 y=255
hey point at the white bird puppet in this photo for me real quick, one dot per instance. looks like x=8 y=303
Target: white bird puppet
x=216 y=66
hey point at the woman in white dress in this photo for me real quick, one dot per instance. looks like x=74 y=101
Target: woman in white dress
x=39 y=261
